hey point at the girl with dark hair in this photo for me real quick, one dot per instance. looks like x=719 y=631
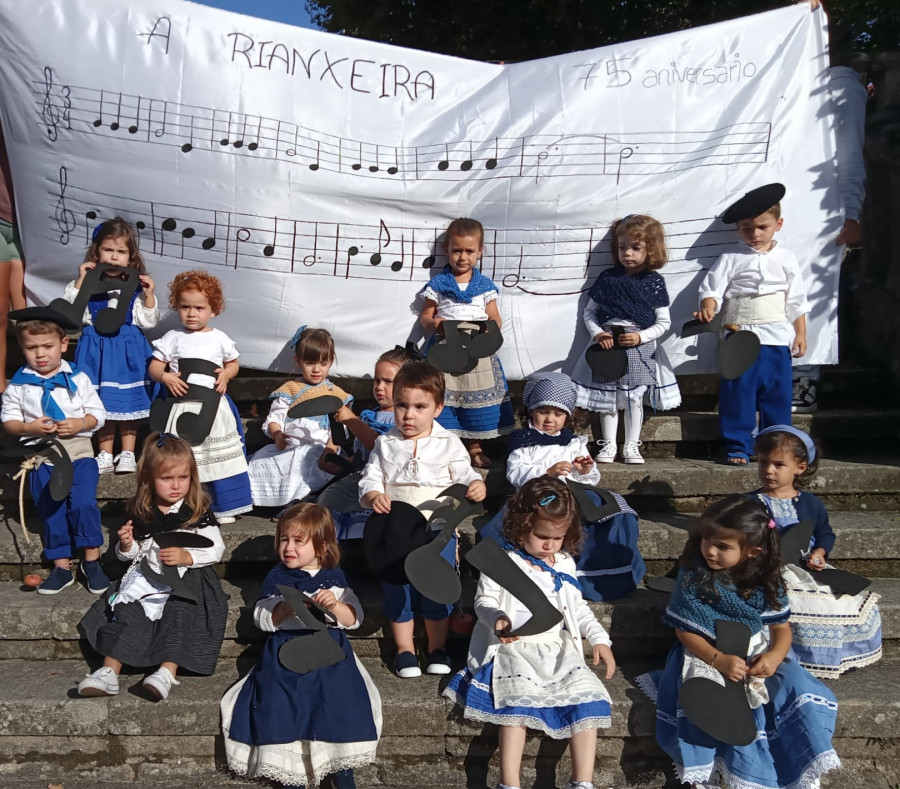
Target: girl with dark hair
x=833 y=633
x=730 y=570
x=117 y=364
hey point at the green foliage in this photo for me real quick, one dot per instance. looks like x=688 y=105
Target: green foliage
x=513 y=30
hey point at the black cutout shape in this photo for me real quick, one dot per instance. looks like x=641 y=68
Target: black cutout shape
x=589 y=509
x=102 y=279
x=489 y=558
x=609 y=363
x=461 y=349
x=324 y=405
x=307 y=651
x=193 y=428
x=723 y=713
x=169 y=577
x=737 y=352
x=795 y=541
x=54 y=450
x=661 y=583
x=181 y=539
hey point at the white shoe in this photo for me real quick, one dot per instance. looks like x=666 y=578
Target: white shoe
x=103 y=682
x=225 y=519
x=631 y=453
x=160 y=682
x=606 y=451
x=104 y=462
x=125 y=462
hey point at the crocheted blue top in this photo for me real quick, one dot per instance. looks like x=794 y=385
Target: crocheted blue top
x=691 y=610
x=629 y=297
x=445 y=284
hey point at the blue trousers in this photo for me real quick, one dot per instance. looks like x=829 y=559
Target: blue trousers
x=766 y=387
x=74 y=522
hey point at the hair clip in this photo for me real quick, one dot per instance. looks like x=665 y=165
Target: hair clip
x=547 y=499
x=96 y=231
x=627 y=217
x=771 y=524
x=161 y=440
x=296 y=338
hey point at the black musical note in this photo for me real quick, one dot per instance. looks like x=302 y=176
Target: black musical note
x=193 y=428
x=395 y=167
x=467 y=164
x=444 y=163
x=357 y=165
x=397 y=265
x=491 y=163
x=65 y=219
x=102 y=279
x=382 y=231
x=626 y=153
x=49 y=111
x=160 y=131
x=63 y=473
x=189 y=145
x=133 y=128
x=373 y=168
x=315 y=165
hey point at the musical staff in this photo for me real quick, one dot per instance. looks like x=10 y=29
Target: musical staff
x=538 y=261
x=536 y=157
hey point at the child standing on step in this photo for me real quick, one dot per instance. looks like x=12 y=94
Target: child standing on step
x=832 y=633
x=760 y=288
x=142 y=621
x=609 y=564
x=730 y=570
x=477 y=403
x=540 y=682
x=294 y=464
x=629 y=307
x=221 y=458
x=299 y=728
x=414 y=462
x=49 y=397
x=117 y=363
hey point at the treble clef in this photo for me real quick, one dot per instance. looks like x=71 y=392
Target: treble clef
x=65 y=219
x=49 y=111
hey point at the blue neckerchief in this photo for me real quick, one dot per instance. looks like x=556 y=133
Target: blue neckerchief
x=558 y=577
x=529 y=437
x=61 y=379
x=302 y=580
x=445 y=284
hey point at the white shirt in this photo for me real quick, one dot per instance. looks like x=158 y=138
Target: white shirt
x=22 y=402
x=493 y=601
x=662 y=322
x=142 y=317
x=527 y=463
x=213 y=345
x=449 y=309
x=411 y=469
x=746 y=272
x=299 y=431
x=262 y=613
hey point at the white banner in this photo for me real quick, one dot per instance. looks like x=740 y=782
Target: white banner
x=314 y=174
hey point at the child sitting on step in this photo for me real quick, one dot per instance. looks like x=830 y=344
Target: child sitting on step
x=541 y=681
x=292 y=727
x=49 y=397
x=142 y=621
x=833 y=633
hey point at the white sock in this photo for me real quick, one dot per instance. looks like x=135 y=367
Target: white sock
x=609 y=426
x=634 y=419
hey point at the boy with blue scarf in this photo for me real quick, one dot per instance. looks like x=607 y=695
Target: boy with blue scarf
x=49 y=397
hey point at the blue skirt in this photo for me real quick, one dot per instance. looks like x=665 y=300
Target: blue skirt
x=609 y=565
x=477 y=404
x=473 y=693
x=793 y=741
x=117 y=366
x=276 y=705
x=232 y=495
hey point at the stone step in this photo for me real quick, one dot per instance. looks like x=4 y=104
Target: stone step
x=43 y=627
x=867 y=542
x=49 y=734
x=668 y=484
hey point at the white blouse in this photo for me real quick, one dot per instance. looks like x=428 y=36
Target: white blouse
x=213 y=345
x=526 y=463
x=300 y=431
x=451 y=310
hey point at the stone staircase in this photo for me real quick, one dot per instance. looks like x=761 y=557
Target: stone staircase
x=49 y=736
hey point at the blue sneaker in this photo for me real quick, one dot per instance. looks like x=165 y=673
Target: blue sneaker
x=58 y=580
x=95 y=578
x=406 y=665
